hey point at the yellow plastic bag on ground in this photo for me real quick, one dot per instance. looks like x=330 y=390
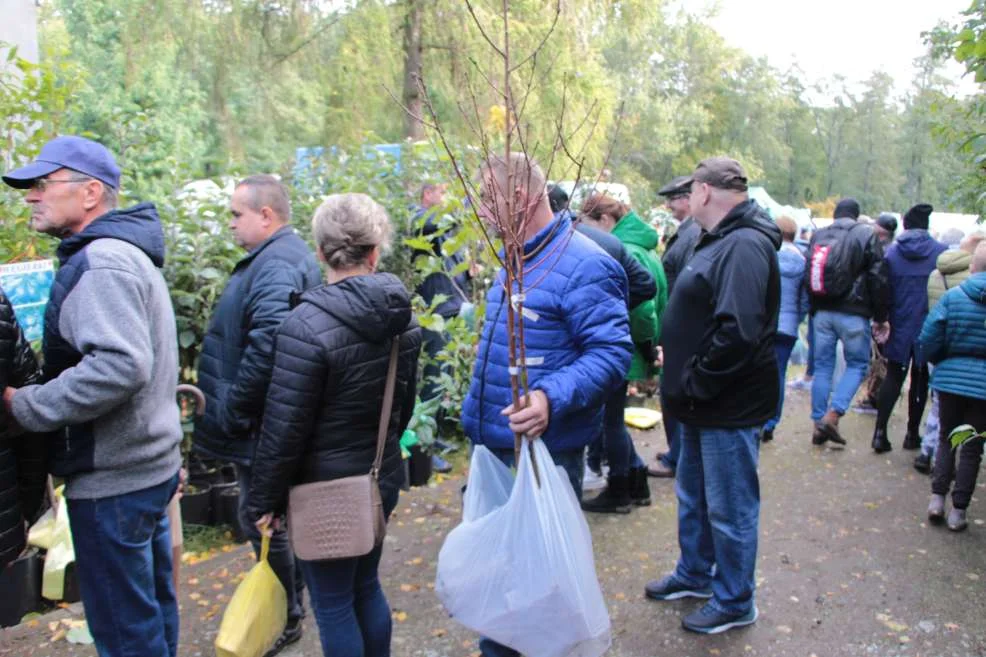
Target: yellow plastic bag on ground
x=641 y=418
x=256 y=614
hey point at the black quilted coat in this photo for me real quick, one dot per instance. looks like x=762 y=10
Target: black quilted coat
x=325 y=395
x=22 y=466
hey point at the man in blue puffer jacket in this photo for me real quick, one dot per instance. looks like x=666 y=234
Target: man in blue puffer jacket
x=910 y=260
x=576 y=333
x=576 y=330
x=954 y=339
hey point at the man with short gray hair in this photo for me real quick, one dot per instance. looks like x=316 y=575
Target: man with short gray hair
x=237 y=355
x=111 y=367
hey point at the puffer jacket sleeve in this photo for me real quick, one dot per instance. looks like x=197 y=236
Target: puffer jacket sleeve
x=267 y=303
x=595 y=312
x=932 y=340
x=294 y=399
x=29 y=449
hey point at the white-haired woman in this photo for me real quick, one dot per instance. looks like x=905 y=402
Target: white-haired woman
x=323 y=409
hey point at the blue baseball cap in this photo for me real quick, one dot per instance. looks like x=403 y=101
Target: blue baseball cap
x=76 y=153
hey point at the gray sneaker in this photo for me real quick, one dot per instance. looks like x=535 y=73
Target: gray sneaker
x=956 y=520
x=669 y=588
x=936 y=510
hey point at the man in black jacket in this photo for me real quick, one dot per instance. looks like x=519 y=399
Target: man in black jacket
x=238 y=352
x=844 y=317
x=676 y=254
x=720 y=381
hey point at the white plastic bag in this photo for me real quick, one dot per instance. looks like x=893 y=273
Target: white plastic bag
x=519 y=569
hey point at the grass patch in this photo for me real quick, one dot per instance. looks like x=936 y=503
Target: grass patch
x=202 y=538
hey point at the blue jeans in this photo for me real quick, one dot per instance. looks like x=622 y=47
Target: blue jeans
x=281 y=555
x=672 y=431
x=620 y=453
x=573 y=462
x=123 y=560
x=854 y=333
x=719 y=513
x=783 y=346
x=349 y=605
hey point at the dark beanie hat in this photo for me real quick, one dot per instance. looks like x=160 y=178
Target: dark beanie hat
x=887 y=222
x=847 y=208
x=918 y=217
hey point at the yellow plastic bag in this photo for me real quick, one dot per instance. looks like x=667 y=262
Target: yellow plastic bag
x=641 y=418
x=257 y=613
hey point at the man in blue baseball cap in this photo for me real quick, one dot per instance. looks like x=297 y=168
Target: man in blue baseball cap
x=108 y=393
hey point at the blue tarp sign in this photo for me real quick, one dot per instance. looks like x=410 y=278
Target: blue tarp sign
x=28 y=285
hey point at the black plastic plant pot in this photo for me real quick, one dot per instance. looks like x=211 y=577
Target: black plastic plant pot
x=196 y=504
x=20 y=588
x=71 y=593
x=420 y=466
x=218 y=490
x=229 y=512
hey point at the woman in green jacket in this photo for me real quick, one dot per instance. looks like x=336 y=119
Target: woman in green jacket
x=640 y=240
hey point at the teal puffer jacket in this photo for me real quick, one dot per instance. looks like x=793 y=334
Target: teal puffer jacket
x=954 y=338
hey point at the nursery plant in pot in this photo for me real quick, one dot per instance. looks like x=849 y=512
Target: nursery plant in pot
x=196 y=504
x=228 y=512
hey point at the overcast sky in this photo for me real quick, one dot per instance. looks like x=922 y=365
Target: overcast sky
x=825 y=37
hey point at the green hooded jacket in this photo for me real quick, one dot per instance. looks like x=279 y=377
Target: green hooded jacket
x=645 y=320
x=953 y=268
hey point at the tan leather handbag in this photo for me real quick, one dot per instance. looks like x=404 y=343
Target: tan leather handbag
x=343 y=518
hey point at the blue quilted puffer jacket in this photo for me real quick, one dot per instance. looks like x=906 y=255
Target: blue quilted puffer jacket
x=577 y=337
x=954 y=339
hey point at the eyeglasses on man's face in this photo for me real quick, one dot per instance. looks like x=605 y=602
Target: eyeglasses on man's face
x=42 y=184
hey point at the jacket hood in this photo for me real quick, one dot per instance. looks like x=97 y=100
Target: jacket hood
x=792 y=263
x=631 y=229
x=918 y=244
x=954 y=261
x=376 y=306
x=749 y=214
x=138 y=225
x=975 y=287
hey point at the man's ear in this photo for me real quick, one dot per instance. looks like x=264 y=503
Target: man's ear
x=92 y=194
x=268 y=215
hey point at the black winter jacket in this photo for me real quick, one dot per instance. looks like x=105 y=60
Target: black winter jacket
x=237 y=353
x=22 y=465
x=870 y=293
x=719 y=326
x=679 y=250
x=642 y=285
x=326 y=391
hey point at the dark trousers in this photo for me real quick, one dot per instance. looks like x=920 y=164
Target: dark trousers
x=953 y=411
x=890 y=391
x=123 y=559
x=281 y=555
x=433 y=343
x=348 y=602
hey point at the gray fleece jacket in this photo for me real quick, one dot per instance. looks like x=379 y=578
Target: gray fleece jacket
x=111 y=361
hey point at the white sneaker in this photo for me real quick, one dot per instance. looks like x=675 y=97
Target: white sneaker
x=592 y=480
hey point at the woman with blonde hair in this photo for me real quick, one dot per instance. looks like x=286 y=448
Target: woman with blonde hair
x=323 y=409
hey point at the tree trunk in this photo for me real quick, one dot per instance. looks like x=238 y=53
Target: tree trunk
x=413 y=128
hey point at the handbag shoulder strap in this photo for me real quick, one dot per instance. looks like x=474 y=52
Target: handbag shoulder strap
x=388 y=403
